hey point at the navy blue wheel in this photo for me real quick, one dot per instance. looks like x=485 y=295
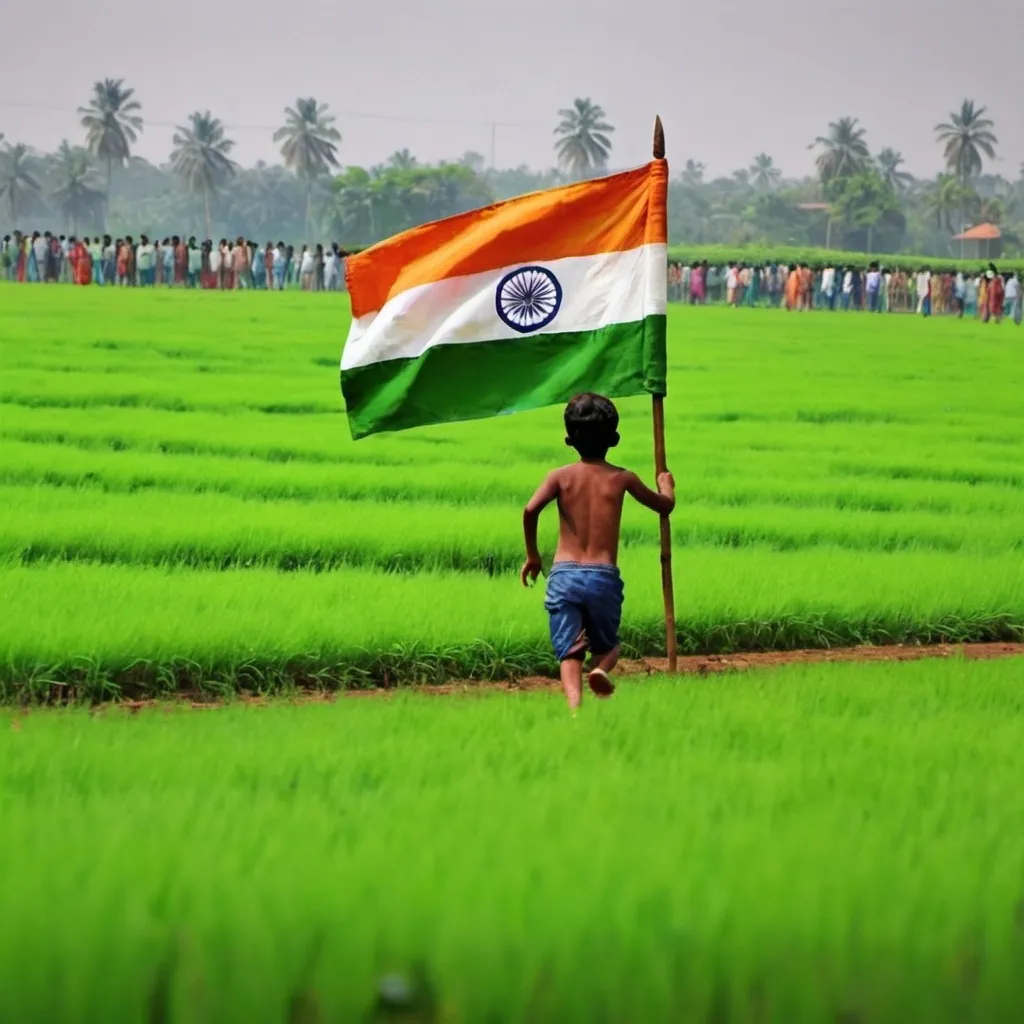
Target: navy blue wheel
x=527 y=299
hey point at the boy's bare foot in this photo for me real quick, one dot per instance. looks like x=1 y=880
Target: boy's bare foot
x=600 y=683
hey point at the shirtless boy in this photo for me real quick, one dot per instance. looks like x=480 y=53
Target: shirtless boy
x=584 y=590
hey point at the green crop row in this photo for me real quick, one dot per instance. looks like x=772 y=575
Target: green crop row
x=823 y=844
x=838 y=480
x=128 y=629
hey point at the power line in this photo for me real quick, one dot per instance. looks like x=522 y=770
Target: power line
x=351 y=114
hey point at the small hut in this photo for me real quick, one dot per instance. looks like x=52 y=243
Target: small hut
x=982 y=242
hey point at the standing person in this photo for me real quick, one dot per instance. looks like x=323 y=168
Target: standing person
x=847 y=296
x=213 y=263
x=696 y=285
x=792 y=293
x=96 y=258
x=290 y=264
x=158 y=262
x=970 y=295
x=307 y=269
x=193 y=263
x=319 y=262
x=584 y=588
x=731 y=284
x=280 y=266
x=268 y=263
x=828 y=286
x=1014 y=297
x=873 y=286
x=960 y=294
x=240 y=264
x=332 y=270
x=81 y=262
x=259 y=267
x=924 y=296
x=145 y=258
x=983 y=297
x=180 y=261
x=123 y=250
x=168 y=252
x=996 y=293
x=806 y=287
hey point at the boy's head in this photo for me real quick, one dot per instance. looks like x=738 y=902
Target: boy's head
x=591 y=425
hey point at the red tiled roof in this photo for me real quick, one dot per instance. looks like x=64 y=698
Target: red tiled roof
x=979 y=233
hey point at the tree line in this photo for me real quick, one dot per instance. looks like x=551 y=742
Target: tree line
x=855 y=200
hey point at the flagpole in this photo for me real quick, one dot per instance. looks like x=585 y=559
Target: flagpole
x=660 y=466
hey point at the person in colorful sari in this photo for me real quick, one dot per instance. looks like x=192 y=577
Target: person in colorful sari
x=80 y=261
x=996 y=293
x=983 y=298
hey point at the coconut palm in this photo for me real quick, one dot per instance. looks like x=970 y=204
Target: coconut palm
x=308 y=136
x=112 y=124
x=402 y=160
x=18 y=183
x=78 y=193
x=583 y=144
x=967 y=135
x=843 y=151
x=889 y=162
x=763 y=172
x=693 y=173
x=947 y=195
x=200 y=157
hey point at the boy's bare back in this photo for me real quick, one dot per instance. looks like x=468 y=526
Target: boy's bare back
x=589 y=495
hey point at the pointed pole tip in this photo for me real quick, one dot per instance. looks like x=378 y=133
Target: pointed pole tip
x=659 y=139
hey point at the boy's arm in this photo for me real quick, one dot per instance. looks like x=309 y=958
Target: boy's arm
x=545 y=494
x=662 y=501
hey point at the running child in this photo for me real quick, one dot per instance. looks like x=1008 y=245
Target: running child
x=584 y=588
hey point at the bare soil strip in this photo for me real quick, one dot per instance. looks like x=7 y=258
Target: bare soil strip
x=694 y=665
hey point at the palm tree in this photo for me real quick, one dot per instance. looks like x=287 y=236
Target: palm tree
x=967 y=135
x=402 y=160
x=763 y=172
x=693 y=173
x=889 y=162
x=200 y=157
x=583 y=144
x=946 y=196
x=77 y=193
x=843 y=151
x=309 y=138
x=17 y=182
x=112 y=124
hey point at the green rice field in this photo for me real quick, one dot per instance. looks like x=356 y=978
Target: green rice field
x=812 y=844
x=182 y=512
x=181 y=505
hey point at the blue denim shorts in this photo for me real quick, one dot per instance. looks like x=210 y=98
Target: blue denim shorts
x=585 y=605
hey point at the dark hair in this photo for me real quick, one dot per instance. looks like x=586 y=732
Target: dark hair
x=591 y=425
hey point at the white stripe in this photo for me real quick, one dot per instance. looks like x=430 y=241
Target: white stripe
x=607 y=288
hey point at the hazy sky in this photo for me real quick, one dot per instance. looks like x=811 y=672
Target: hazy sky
x=730 y=78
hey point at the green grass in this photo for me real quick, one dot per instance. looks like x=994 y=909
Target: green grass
x=836 y=843
x=841 y=478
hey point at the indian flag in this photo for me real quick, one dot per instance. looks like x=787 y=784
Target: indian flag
x=512 y=307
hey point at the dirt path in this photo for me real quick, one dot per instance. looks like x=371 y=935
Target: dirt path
x=695 y=665
x=715 y=664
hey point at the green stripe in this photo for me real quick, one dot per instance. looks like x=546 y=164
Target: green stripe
x=493 y=378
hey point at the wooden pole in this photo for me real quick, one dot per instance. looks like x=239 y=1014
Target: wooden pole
x=660 y=466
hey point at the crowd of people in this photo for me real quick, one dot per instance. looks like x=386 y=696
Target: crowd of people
x=243 y=264
x=172 y=262
x=987 y=294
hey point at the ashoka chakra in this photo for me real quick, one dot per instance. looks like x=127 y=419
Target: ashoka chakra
x=527 y=299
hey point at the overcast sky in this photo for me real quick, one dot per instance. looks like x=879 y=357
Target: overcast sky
x=730 y=78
